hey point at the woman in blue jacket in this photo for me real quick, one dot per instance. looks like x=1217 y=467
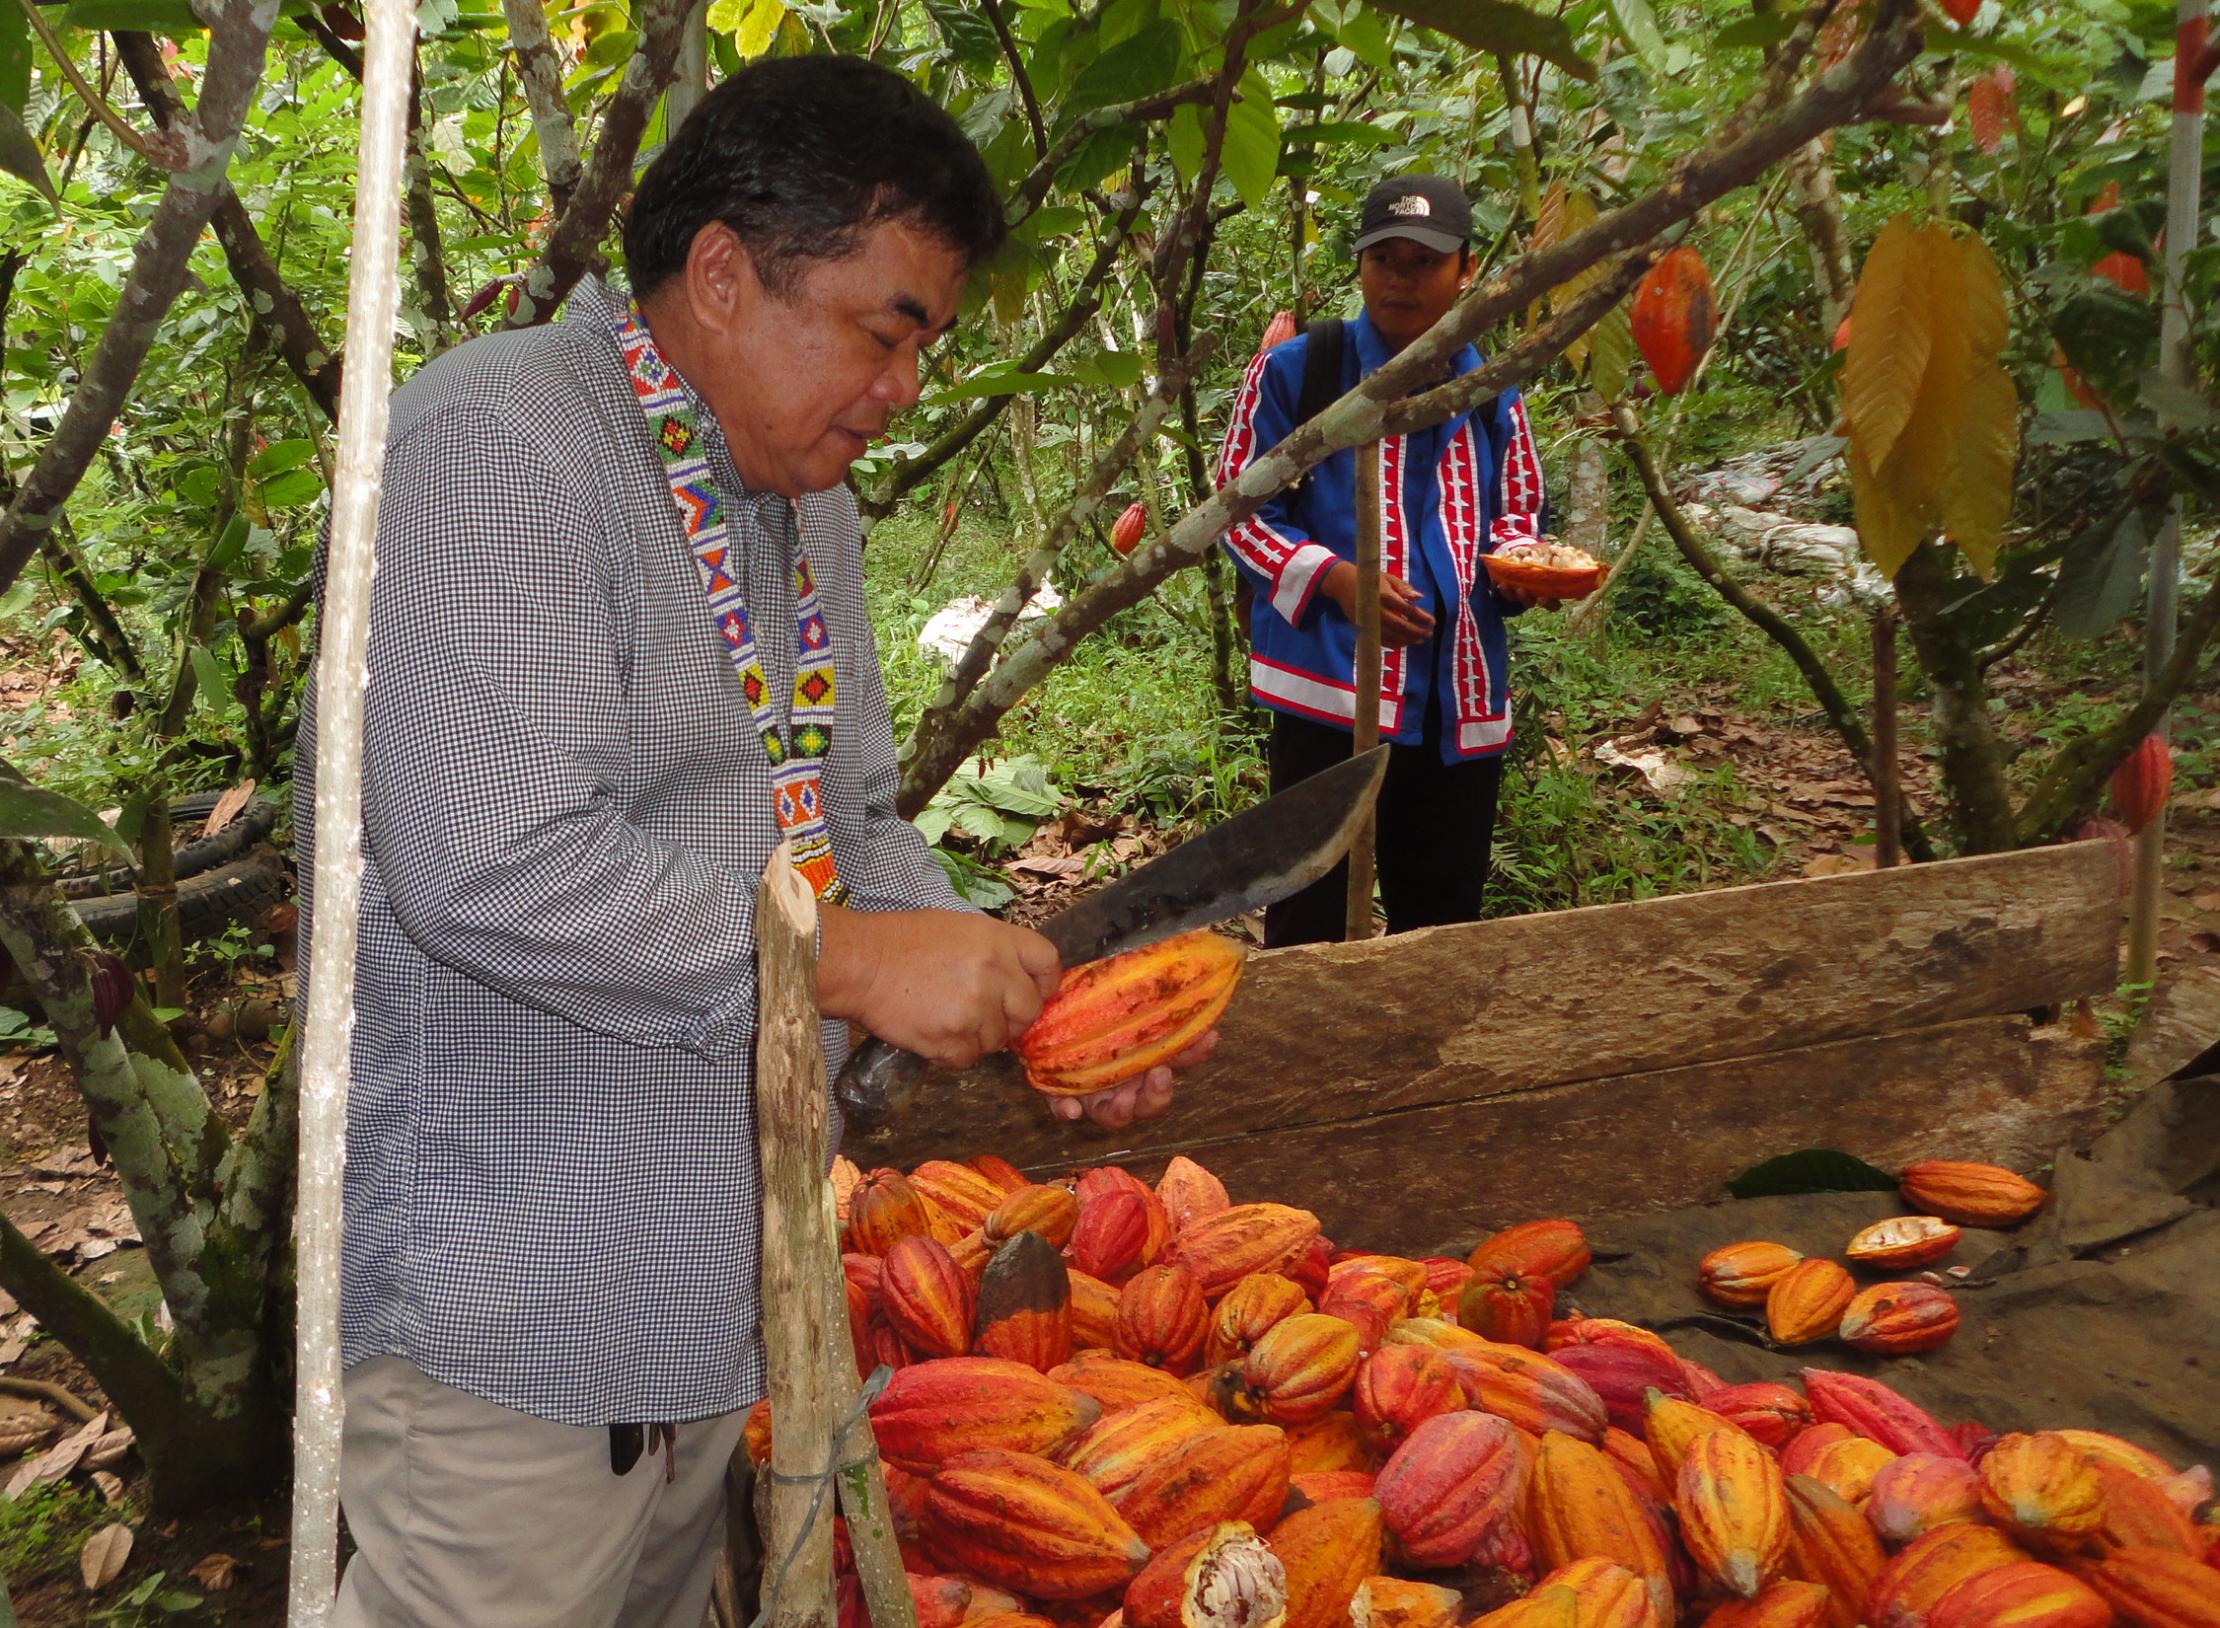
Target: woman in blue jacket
x=1448 y=495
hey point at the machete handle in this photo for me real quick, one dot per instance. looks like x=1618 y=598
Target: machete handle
x=879 y=1081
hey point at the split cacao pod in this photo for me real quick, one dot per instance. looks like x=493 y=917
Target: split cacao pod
x=1507 y=1307
x=884 y=1209
x=1770 y=1413
x=934 y=1411
x=1784 y=1605
x=1578 y=1507
x=1674 y=317
x=1050 y=1211
x=1327 y=1550
x=1903 y=1242
x=1161 y=1319
x=1247 y=1310
x=2155 y=1588
x=1896 y=1319
x=1454 y=1479
x=1126 y=530
x=926 y=1299
x=1910 y=1586
x=1807 y=1301
x=1224 y=1248
x=1400 y=1387
x=2141 y=782
x=1744 y=1274
x=1830 y=1544
x=1871 y=1409
x=1396 y=1602
x=2025 y=1594
x=1019 y=1522
x=1114 y=1019
x=1555 y=1249
x=1189 y=1193
x=1912 y=1495
x=1733 y=1509
x=1301 y=1367
x=1229 y=1473
x=1024 y=1305
x=2041 y=1486
x=1970 y=1194
x=1222 y=1577
x=1115 y=1383
x=1122 y=1447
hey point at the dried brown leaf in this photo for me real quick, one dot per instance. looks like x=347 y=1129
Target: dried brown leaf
x=227 y=807
x=214 y=1574
x=101 y=1561
x=108 y=1451
x=58 y=1460
x=110 y=1485
x=22 y=1431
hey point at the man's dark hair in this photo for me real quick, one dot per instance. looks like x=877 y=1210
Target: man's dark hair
x=800 y=156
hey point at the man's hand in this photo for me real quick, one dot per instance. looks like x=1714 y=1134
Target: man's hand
x=946 y=984
x=1403 y=618
x=1141 y=1098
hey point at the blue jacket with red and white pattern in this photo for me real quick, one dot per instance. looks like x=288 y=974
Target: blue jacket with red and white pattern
x=1448 y=495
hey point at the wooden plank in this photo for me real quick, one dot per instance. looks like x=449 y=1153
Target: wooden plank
x=1329 y=1031
x=1434 y=1180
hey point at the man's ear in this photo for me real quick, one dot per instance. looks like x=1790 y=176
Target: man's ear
x=720 y=278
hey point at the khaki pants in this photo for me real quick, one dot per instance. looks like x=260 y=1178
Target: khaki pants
x=467 y=1514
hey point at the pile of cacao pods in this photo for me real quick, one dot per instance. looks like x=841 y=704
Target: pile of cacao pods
x=1123 y=1406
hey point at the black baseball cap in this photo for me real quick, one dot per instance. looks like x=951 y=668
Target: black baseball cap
x=1428 y=209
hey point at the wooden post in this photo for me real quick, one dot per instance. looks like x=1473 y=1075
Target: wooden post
x=1888 y=825
x=1364 y=732
x=790 y=1098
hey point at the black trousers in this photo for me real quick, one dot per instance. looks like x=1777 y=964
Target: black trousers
x=1436 y=822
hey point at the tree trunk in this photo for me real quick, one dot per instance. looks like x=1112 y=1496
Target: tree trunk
x=1972 y=759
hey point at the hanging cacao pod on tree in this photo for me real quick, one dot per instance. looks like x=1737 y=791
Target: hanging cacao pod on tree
x=2140 y=784
x=1126 y=533
x=1675 y=317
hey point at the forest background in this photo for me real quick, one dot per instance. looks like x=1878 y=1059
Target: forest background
x=1755 y=688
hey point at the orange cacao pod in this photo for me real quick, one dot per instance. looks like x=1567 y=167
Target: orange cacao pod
x=1532 y=1391
x=1507 y=1307
x=1410 y=1275
x=1221 y=1577
x=1116 y=1383
x=1024 y=1305
x=1247 y=1310
x=1369 y=1302
x=845 y=1177
x=2125 y=1455
x=934 y=1411
x=1849 y=1466
x=1020 y=1619
x=1576 y=1330
x=1903 y=1242
x=1674 y=317
x=1801 y=1449
x=940 y=1602
x=1094 y=1310
x=926 y=1299
x=1224 y=1248
x=960 y=1196
x=1301 y=1367
x=2041 y=1486
x=1553 y=1607
x=1605 y=1595
x=2156 y=1588
x=1445 y=1278
x=1578 y=1507
x=1393 y=1602
x=1400 y=1387
x=1110 y=1239
x=1807 y=1301
x=2141 y=782
x=1052 y=1212
x=1324 y=1488
x=1161 y=1319
x=1670 y=1426
x=2139 y=1515
x=1733 y=1510
x=1447 y=1485
x=1908 y=1588
x=1189 y=1193
x=1770 y=1413
x=1972 y=1195
x=1116 y=1018
x=1637 y=1465
x=1743 y=1274
x=1020 y=1522
x=1126 y=530
x=1326 y=1445
x=1327 y=1550
x=1784 y=1605
x=1915 y=1494
x=999 y=1170
x=1895 y=1319
x=1874 y=1411
x=2025 y=1594
x=1125 y=1445
x=1830 y=1544
x=1554 y=1249
x=1277 y=332
x=1229 y=1473
x=884 y=1209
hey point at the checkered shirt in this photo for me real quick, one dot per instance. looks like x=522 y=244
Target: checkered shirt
x=553 y=1199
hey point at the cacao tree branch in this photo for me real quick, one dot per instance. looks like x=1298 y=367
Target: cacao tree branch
x=109 y=641
x=1840 y=713
x=427 y=254
x=240 y=33
x=1179 y=245
x=134 y=1379
x=1837 y=96
x=158 y=150
x=1143 y=110
x=1018 y=75
x=348 y=58
x=574 y=247
x=2075 y=777
x=539 y=71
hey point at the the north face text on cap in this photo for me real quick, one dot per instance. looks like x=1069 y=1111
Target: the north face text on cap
x=1410 y=204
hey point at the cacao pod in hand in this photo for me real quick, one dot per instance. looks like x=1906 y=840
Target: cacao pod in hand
x=1113 y=1019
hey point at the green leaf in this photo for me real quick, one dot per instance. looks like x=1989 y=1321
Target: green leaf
x=1184 y=136
x=231 y=544
x=31 y=812
x=1250 y=155
x=1141 y=66
x=756 y=31
x=982 y=387
x=199 y=485
x=1497 y=26
x=2178 y=405
x=1814 y=1170
x=20 y=155
x=292 y=489
x=1341 y=130
x=15 y=58
x=1755 y=33
x=214 y=682
x=2101 y=578
x=1109 y=370
x=1366 y=38
x=2068 y=426
x=174 y=18
x=1611 y=352
x=1637 y=25
x=279 y=456
x=2109 y=336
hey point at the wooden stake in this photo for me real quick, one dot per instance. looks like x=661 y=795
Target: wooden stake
x=797 y=1246
x=1364 y=733
x=863 y=1495
x=1888 y=829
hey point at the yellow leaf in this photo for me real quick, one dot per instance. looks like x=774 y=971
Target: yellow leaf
x=1917 y=466
x=1889 y=342
x=756 y=31
x=1976 y=498
x=1885 y=531
x=1987 y=327
x=1549 y=229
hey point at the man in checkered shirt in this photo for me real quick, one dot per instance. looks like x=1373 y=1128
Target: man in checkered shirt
x=553 y=1205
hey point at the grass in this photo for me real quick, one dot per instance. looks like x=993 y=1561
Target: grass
x=41 y=1532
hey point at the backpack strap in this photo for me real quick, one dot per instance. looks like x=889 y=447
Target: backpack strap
x=1321 y=369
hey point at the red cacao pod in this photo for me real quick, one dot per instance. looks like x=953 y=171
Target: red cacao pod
x=1675 y=317
x=2140 y=783
x=1554 y=1249
x=1125 y=534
